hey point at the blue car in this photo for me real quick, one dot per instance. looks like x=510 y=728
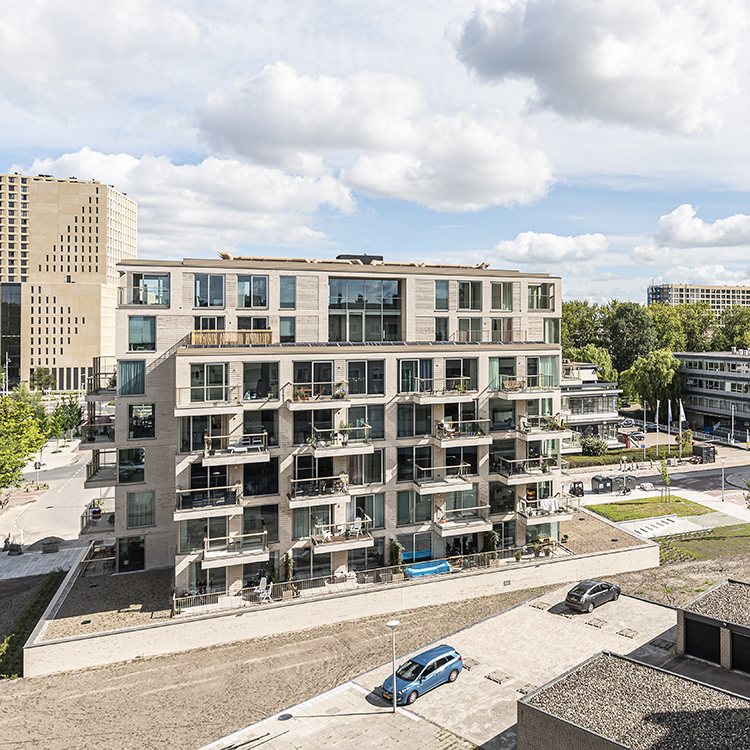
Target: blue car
x=422 y=673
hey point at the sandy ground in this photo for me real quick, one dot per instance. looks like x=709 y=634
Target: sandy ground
x=15 y=595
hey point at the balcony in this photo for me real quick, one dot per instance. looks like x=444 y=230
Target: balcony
x=101 y=471
x=557 y=508
x=101 y=385
x=99 y=434
x=534 y=428
x=337 y=537
x=463 y=521
x=433 y=480
x=506 y=336
x=444 y=390
x=519 y=471
x=306 y=493
x=99 y=517
x=228 y=339
x=305 y=396
x=208 y=502
x=518 y=388
x=225 y=450
x=463 y=432
x=343 y=440
x=207 y=400
x=235 y=550
x=137 y=296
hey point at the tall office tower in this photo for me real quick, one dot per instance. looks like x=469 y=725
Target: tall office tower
x=60 y=242
x=291 y=411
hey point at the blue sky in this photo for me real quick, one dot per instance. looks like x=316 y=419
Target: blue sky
x=603 y=142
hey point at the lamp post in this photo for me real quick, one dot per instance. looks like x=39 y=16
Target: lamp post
x=393 y=624
x=723 y=461
x=733 y=407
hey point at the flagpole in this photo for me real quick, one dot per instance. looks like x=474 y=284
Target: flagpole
x=656 y=422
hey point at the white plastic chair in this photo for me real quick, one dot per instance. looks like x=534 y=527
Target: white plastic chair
x=265 y=595
x=356 y=527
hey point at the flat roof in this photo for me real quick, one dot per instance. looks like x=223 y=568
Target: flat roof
x=644 y=707
x=728 y=601
x=714 y=355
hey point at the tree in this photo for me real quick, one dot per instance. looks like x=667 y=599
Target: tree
x=733 y=329
x=580 y=324
x=72 y=412
x=697 y=320
x=629 y=333
x=20 y=438
x=597 y=356
x=35 y=401
x=667 y=324
x=591 y=446
x=56 y=425
x=654 y=377
x=664 y=471
x=42 y=379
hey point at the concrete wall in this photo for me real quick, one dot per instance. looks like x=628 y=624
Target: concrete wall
x=180 y=634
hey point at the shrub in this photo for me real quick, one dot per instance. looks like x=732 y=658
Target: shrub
x=593 y=447
x=395 y=553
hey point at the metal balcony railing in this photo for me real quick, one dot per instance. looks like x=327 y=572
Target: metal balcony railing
x=540 y=424
x=432 y=474
x=515 y=467
x=448 y=429
x=253 y=442
x=506 y=336
x=209 y=497
x=475 y=513
x=341 y=436
x=209 y=394
x=316 y=391
x=319 y=487
x=440 y=386
x=330 y=533
x=514 y=383
x=236 y=545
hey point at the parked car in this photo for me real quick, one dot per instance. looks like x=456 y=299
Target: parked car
x=637 y=436
x=588 y=594
x=423 y=673
x=627 y=423
x=624 y=404
x=652 y=427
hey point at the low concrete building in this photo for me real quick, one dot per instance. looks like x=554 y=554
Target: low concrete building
x=611 y=701
x=715 y=626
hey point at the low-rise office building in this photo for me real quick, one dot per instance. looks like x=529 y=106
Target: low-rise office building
x=317 y=409
x=717 y=296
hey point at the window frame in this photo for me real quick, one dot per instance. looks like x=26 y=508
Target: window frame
x=285 y=305
x=242 y=279
x=130 y=524
x=474 y=296
x=148 y=346
x=208 y=280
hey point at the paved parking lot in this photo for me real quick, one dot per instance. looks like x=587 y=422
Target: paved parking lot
x=527 y=645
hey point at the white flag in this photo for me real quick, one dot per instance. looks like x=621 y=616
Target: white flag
x=682 y=414
x=656 y=415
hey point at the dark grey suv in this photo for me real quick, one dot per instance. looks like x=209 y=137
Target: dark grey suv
x=586 y=595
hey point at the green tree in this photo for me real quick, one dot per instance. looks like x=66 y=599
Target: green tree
x=733 y=329
x=654 y=377
x=667 y=324
x=20 y=438
x=42 y=379
x=629 y=333
x=35 y=401
x=72 y=412
x=580 y=324
x=598 y=356
x=697 y=320
x=56 y=424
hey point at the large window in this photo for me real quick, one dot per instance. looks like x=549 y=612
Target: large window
x=364 y=310
x=262 y=478
x=372 y=506
x=501 y=451
x=462 y=454
x=499 y=367
x=552 y=330
x=313 y=378
x=131 y=377
x=308 y=521
x=541 y=296
x=369 y=558
x=252 y=323
x=209 y=290
x=195 y=530
x=194 y=429
x=441 y=329
x=260 y=380
x=265 y=420
x=502 y=415
x=252 y=291
x=262 y=518
x=502 y=330
x=305 y=421
x=462 y=500
x=367 y=469
x=141 y=421
x=141 y=509
x=461 y=374
x=366 y=377
x=441 y=295
x=209 y=322
x=209 y=382
x=142 y=333
x=502 y=295
x=541 y=372
x=414 y=419
x=469 y=295
x=415 y=375
x=131 y=465
x=287 y=330
x=502 y=498
x=469 y=329
x=409 y=457
x=287 y=292
x=307 y=565
x=413 y=508
x=371 y=415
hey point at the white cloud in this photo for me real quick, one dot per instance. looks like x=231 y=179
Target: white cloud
x=712 y=274
x=374 y=128
x=647 y=63
x=681 y=229
x=530 y=247
x=218 y=204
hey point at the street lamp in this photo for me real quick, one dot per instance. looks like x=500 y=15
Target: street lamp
x=723 y=461
x=733 y=407
x=393 y=624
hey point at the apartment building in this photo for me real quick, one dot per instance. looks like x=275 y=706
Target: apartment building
x=320 y=408
x=589 y=405
x=60 y=242
x=718 y=297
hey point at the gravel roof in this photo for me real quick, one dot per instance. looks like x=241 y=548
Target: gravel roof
x=644 y=708
x=729 y=602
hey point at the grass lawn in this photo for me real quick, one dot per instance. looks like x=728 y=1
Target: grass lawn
x=632 y=454
x=629 y=510
x=706 y=544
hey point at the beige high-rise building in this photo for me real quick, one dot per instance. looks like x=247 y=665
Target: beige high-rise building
x=60 y=242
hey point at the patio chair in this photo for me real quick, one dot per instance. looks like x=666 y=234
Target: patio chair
x=356 y=527
x=264 y=596
x=325 y=534
x=260 y=587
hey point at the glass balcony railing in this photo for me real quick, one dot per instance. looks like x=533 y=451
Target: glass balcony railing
x=516 y=383
x=209 y=497
x=230 y=546
x=316 y=391
x=448 y=429
x=209 y=394
x=155 y=297
x=320 y=487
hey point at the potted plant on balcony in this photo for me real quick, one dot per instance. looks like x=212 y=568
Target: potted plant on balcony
x=547 y=549
x=396 y=559
x=491 y=542
x=298 y=395
x=341 y=391
x=518 y=554
x=344 y=428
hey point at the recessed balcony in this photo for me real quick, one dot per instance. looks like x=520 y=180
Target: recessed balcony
x=306 y=493
x=99 y=517
x=344 y=440
x=235 y=550
x=444 y=390
x=225 y=450
x=536 y=428
x=449 y=433
x=101 y=385
x=522 y=470
x=436 y=479
x=521 y=388
x=208 y=502
x=316 y=395
x=463 y=521
x=139 y=296
x=558 y=508
x=202 y=400
x=98 y=434
x=101 y=471
x=338 y=537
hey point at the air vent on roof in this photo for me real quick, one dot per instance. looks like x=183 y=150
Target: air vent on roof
x=364 y=259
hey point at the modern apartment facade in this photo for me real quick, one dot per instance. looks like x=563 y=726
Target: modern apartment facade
x=718 y=297
x=320 y=408
x=589 y=405
x=60 y=242
x=717 y=391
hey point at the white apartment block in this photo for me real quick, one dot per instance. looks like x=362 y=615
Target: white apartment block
x=60 y=242
x=718 y=296
x=320 y=408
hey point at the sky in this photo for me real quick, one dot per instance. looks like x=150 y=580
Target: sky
x=604 y=142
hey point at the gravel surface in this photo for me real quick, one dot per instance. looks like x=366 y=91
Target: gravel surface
x=15 y=595
x=644 y=708
x=729 y=602
x=588 y=533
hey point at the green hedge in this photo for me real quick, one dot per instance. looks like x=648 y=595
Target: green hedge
x=632 y=454
x=11 y=649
